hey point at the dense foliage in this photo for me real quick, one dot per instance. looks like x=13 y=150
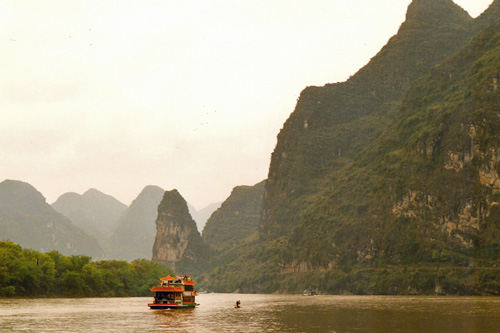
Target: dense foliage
x=237 y=218
x=25 y=272
x=388 y=183
x=344 y=119
x=231 y=232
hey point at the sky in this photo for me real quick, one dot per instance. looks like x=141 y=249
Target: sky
x=188 y=95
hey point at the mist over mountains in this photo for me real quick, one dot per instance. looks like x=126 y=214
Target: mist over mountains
x=93 y=223
x=27 y=219
x=135 y=230
x=201 y=216
x=388 y=183
x=94 y=212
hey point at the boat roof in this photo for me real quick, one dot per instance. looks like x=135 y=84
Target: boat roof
x=187 y=281
x=168 y=277
x=169 y=288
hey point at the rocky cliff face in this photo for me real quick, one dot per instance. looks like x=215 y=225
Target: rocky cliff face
x=318 y=165
x=27 y=219
x=393 y=176
x=331 y=125
x=178 y=243
x=448 y=130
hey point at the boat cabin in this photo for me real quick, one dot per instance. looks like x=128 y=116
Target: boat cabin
x=174 y=292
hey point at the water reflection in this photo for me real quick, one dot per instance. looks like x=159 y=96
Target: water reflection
x=167 y=319
x=259 y=313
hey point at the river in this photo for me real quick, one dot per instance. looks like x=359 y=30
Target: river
x=259 y=313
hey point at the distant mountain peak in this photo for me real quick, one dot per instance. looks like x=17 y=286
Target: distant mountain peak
x=95 y=212
x=174 y=203
x=177 y=238
x=20 y=193
x=151 y=190
x=425 y=12
x=91 y=191
x=95 y=194
x=20 y=187
x=136 y=230
x=27 y=219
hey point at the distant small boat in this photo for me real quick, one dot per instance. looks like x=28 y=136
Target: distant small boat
x=173 y=293
x=309 y=292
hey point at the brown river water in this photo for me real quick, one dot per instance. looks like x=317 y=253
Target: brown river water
x=259 y=313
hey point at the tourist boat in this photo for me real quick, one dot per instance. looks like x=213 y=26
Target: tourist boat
x=173 y=293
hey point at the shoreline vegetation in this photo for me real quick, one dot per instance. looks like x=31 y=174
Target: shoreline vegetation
x=29 y=273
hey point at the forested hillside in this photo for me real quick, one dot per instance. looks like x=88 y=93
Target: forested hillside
x=387 y=183
x=332 y=125
x=237 y=218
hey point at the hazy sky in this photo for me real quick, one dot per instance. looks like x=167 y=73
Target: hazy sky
x=117 y=95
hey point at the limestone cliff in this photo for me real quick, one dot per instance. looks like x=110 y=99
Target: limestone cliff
x=178 y=243
x=333 y=124
x=448 y=132
x=390 y=182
